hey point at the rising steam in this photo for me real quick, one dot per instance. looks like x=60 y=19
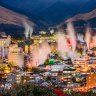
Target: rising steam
x=80 y=37
x=88 y=37
x=31 y=31
x=40 y=54
x=93 y=41
x=62 y=44
x=72 y=36
x=28 y=30
x=43 y=52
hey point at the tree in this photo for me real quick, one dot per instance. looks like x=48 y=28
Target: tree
x=29 y=89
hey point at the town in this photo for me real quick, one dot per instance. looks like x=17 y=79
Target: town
x=55 y=59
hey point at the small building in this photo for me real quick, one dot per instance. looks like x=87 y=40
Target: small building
x=68 y=73
x=18 y=77
x=81 y=61
x=16 y=56
x=5 y=41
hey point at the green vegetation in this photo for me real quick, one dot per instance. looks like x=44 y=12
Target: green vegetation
x=29 y=89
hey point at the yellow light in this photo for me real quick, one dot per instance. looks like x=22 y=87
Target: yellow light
x=6 y=71
x=26 y=49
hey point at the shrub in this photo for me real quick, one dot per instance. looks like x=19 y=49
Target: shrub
x=29 y=89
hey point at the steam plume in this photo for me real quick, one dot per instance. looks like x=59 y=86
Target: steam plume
x=88 y=37
x=72 y=36
x=27 y=29
x=31 y=31
x=39 y=54
x=62 y=44
x=80 y=37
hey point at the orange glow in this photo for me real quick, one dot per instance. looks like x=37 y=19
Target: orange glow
x=31 y=64
x=47 y=68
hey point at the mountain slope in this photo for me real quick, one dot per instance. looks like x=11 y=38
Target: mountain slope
x=10 y=17
x=80 y=21
x=49 y=12
x=84 y=17
x=12 y=23
x=87 y=6
x=56 y=13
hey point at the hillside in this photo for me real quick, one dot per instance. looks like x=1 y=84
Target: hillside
x=49 y=12
x=84 y=17
x=12 y=23
x=10 y=17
